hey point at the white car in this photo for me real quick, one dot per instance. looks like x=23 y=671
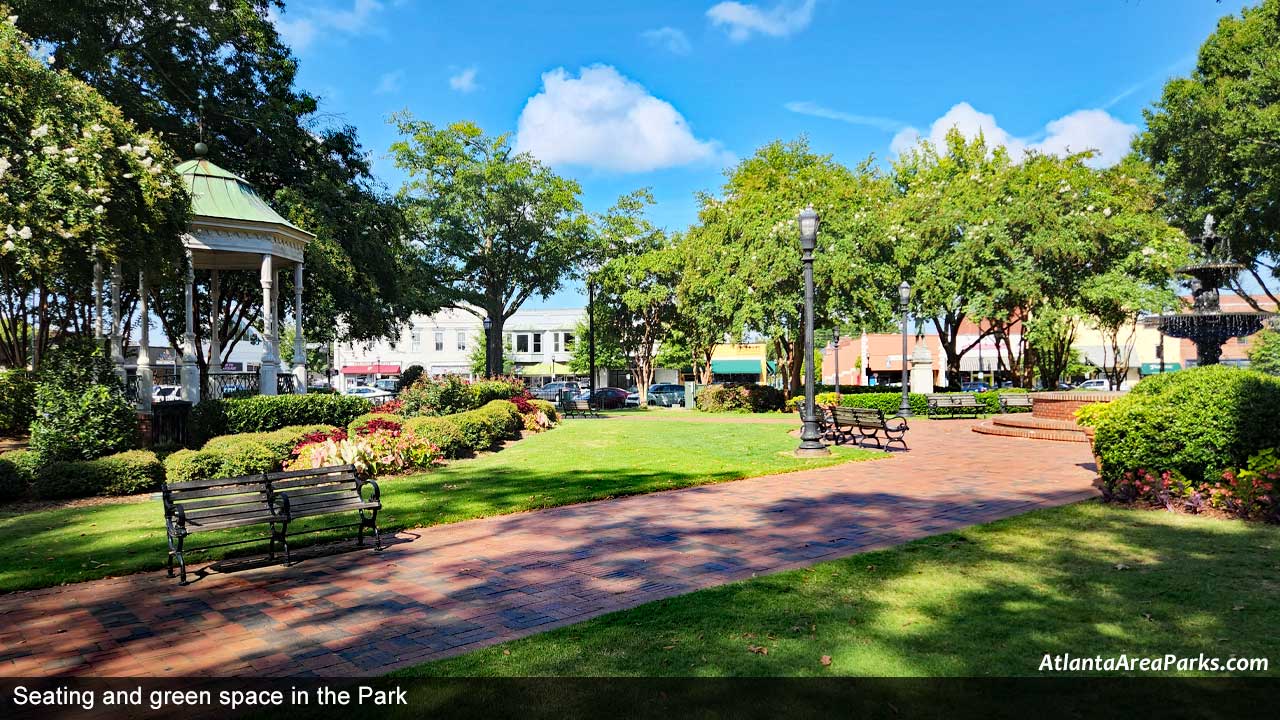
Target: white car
x=369 y=393
x=1101 y=384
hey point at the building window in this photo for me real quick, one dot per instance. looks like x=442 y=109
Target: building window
x=568 y=341
x=522 y=343
x=537 y=342
x=415 y=341
x=462 y=340
x=439 y=342
x=555 y=342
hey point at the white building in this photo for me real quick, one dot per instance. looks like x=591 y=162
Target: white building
x=539 y=342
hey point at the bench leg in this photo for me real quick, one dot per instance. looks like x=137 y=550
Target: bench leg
x=169 y=560
x=182 y=561
x=371 y=522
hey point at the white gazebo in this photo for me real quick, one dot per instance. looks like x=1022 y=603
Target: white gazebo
x=232 y=229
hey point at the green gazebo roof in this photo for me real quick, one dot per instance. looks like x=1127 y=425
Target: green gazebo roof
x=216 y=193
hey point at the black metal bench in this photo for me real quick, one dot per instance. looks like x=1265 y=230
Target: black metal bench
x=578 y=408
x=953 y=405
x=1021 y=401
x=862 y=424
x=198 y=506
x=299 y=494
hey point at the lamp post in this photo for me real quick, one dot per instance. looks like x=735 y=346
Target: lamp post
x=904 y=296
x=488 y=365
x=835 y=342
x=810 y=436
x=591 y=335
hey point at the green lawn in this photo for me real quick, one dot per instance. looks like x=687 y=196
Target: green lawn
x=579 y=461
x=1085 y=579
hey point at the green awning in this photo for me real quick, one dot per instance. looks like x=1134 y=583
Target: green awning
x=1154 y=368
x=735 y=367
x=543 y=368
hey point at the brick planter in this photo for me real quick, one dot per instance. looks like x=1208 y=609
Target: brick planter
x=1063 y=405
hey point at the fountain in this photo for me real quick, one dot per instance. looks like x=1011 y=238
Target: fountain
x=1206 y=324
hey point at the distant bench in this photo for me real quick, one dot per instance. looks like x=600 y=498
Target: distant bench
x=273 y=500
x=1010 y=401
x=580 y=408
x=859 y=425
x=940 y=404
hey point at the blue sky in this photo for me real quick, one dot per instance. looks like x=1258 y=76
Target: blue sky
x=664 y=94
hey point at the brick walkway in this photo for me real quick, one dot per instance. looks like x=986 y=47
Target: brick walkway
x=453 y=588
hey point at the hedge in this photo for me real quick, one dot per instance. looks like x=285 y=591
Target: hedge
x=739 y=398
x=1195 y=422
x=547 y=408
x=125 y=473
x=357 y=425
x=919 y=406
x=264 y=413
x=466 y=432
x=17 y=401
x=240 y=454
x=439 y=431
x=17 y=473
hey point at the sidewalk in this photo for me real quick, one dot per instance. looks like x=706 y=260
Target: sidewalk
x=444 y=590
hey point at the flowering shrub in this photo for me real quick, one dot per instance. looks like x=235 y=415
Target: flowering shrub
x=322 y=435
x=1251 y=492
x=522 y=404
x=376 y=453
x=390 y=407
x=378 y=424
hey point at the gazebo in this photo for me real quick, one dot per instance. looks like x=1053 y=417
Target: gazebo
x=232 y=229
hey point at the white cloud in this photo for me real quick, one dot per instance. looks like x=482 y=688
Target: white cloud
x=464 y=81
x=815 y=110
x=741 y=20
x=1081 y=130
x=603 y=120
x=673 y=39
x=389 y=83
x=300 y=31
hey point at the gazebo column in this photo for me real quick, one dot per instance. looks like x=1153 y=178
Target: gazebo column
x=190 y=370
x=270 y=365
x=282 y=365
x=117 y=351
x=215 y=342
x=99 y=339
x=146 y=383
x=299 y=343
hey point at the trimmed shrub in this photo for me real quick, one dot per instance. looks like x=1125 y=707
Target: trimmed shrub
x=484 y=392
x=740 y=398
x=280 y=442
x=17 y=473
x=125 y=473
x=245 y=458
x=446 y=396
x=548 y=408
x=1195 y=422
x=887 y=402
x=81 y=410
x=264 y=413
x=17 y=402
x=439 y=431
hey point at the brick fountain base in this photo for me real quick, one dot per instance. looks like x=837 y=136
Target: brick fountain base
x=1052 y=417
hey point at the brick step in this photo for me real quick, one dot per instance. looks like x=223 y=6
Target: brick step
x=989 y=427
x=1027 y=420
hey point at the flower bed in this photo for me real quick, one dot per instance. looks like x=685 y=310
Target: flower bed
x=1251 y=492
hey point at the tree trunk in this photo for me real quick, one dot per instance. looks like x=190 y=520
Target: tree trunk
x=493 y=343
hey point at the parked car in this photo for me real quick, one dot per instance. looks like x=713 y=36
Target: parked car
x=664 y=395
x=633 y=398
x=1102 y=384
x=369 y=393
x=606 y=398
x=165 y=393
x=391 y=385
x=974 y=387
x=551 y=391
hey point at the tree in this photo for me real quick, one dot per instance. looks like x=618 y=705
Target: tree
x=499 y=227
x=477 y=359
x=1264 y=356
x=748 y=242
x=190 y=70
x=705 y=306
x=77 y=182
x=635 y=287
x=608 y=353
x=1214 y=139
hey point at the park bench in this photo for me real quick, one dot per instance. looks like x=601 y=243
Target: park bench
x=273 y=500
x=953 y=405
x=579 y=408
x=862 y=424
x=199 y=506
x=1008 y=401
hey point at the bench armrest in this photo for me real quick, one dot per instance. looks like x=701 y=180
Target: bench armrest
x=902 y=423
x=376 y=496
x=280 y=504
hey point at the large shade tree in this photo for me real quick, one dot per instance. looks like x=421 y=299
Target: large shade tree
x=498 y=226
x=1214 y=139
x=78 y=183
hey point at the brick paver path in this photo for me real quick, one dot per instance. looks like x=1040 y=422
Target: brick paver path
x=452 y=588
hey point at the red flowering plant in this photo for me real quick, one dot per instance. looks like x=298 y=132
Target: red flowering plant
x=318 y=438
x=378 y=424
x=1252 y=491
x=390 y=407
x=522 y=404
x=1167 y=488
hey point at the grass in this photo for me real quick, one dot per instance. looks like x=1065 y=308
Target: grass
x=579 y=461
x=1086 y=579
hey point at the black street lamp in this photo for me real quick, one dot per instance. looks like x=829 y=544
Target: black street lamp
x=591 y=336
x=810 y=436
x=488 y=343
x=904 y=296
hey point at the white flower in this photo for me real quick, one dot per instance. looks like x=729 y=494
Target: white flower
x=13 y=19
x=127 y=176
x=140 y=150
x=146 y=162
x=49 y=150
x=40 y=131
x=96 y=127
x=72 y=160
x=25 y=233
x=1106 y=212
x=9 y=231
x=8 y=246
x=1148 y=251
x=4 y=166
x=124 y=148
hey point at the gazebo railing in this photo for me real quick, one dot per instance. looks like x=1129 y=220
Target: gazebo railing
x=284 y=384
x=231 y=384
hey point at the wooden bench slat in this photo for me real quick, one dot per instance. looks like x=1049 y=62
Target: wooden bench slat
x=254 y=509
x=224 y=501
x=326 y=499
x=331 y=470
x=349 y=486
x=326 y=510
x=185 y=495
x=223 y=524
x=302 y=482
x=214 y=482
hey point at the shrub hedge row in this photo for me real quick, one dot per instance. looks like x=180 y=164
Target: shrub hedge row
x=881 y=400
x=125 y=473
x=239 y=454
x=264 y=413
x=739 y=398
x=1195 y=422
x=467 y=432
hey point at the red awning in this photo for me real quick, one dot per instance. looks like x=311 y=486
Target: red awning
x=371 y=370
